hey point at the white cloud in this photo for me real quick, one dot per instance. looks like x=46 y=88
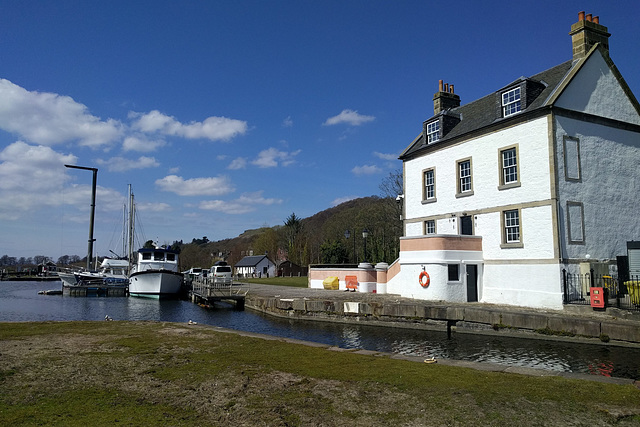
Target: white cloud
x=120 y=164
x=288 y=122
x=48 y=118
x=30 y=177
x=272 y=157
x=213 y=186
x=246 y=203
x=153 y=207
x=350 y=117
x=141 y=144
x=34 y=178
x=212 y=128
x=366 y=170
x=341 y=200
x=385 y=156
x=238 y=163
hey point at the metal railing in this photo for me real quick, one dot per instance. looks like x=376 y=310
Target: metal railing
x=214 y=287
x=621 y=293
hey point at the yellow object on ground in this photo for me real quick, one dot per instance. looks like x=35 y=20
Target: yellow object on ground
x=633 y=287
x=331 y=283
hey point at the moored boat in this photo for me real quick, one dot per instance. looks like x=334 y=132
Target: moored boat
x=113 y=272
x=155 y=274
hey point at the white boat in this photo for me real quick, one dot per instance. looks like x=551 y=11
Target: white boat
x=113 y=272
x=155 y=274
x=68 y=278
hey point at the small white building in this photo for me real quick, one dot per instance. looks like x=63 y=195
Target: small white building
x=504 y=193
x=255 y=266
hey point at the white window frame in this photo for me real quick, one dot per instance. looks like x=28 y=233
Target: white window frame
x=511 y=102
x=429 y=185
x=433 y=131
x=511 y=228
x=430 y=226
x=508 y=158
x=464 y=176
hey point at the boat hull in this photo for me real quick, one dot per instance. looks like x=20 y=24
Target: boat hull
x=68 y=279
x=155 y=283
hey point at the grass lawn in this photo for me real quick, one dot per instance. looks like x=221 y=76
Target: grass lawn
x=297 y=282
x=157 y=373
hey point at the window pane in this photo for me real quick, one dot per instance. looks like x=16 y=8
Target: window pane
x=454 y=276
x=433 y=131
x=429 y=185
x=511 y=102
x=431 y=227
x=465 y=176
x=512 y=226
x=509 y=166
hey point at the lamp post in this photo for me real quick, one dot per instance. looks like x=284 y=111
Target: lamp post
x=365 y=234
x=93 y=211
x=347 y=234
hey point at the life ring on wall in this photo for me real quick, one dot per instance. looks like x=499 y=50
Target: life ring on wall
x=424 y=279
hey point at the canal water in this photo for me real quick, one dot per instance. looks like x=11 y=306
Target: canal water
x=20 y=301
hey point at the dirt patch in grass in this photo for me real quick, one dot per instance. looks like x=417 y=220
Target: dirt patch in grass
x=146 y=373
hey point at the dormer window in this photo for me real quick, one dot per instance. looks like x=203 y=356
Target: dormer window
x=433 y=131
x=511 y=102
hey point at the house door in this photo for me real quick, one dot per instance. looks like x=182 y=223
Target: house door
x=472 y=283
x=466 y=225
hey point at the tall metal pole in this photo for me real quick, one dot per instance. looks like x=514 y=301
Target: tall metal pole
x=131 y=230
x=93 y=211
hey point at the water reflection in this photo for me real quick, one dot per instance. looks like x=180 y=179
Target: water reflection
x=19 y=301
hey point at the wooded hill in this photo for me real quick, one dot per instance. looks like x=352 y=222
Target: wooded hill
x=317 y=239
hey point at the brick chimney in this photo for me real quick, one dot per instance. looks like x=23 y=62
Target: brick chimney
x=587 y=32
x=445 y=98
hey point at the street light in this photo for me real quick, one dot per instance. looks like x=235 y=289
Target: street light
x=93 y=211
x=365 y=234
x=347 y=234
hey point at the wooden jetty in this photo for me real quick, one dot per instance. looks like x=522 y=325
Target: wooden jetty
x=100 y=290
x=206 y=291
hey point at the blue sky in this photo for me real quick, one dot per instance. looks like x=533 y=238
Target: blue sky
x=230 y=115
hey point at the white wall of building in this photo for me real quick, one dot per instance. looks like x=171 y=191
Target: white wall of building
x=532 y=140
x=528 y=285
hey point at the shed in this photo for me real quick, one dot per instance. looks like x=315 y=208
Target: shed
x=289 y=269
x=255 y=266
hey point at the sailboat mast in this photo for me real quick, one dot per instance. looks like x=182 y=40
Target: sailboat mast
x=131 y=225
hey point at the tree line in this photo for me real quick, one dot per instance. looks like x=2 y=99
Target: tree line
x=333 y=236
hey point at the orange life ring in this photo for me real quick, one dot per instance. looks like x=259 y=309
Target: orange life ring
x=425 y=283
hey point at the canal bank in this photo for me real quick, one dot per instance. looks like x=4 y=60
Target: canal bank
x=611 y=326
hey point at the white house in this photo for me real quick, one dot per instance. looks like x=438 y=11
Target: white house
x=255 y=266
x=503 y=193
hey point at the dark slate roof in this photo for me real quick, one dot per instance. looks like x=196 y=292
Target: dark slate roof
x=484 y=112
x=250 y=261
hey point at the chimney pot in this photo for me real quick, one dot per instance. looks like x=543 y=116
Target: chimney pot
x=440 y=85
x=584 y=37
x=451 y=88
x=581 y=16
